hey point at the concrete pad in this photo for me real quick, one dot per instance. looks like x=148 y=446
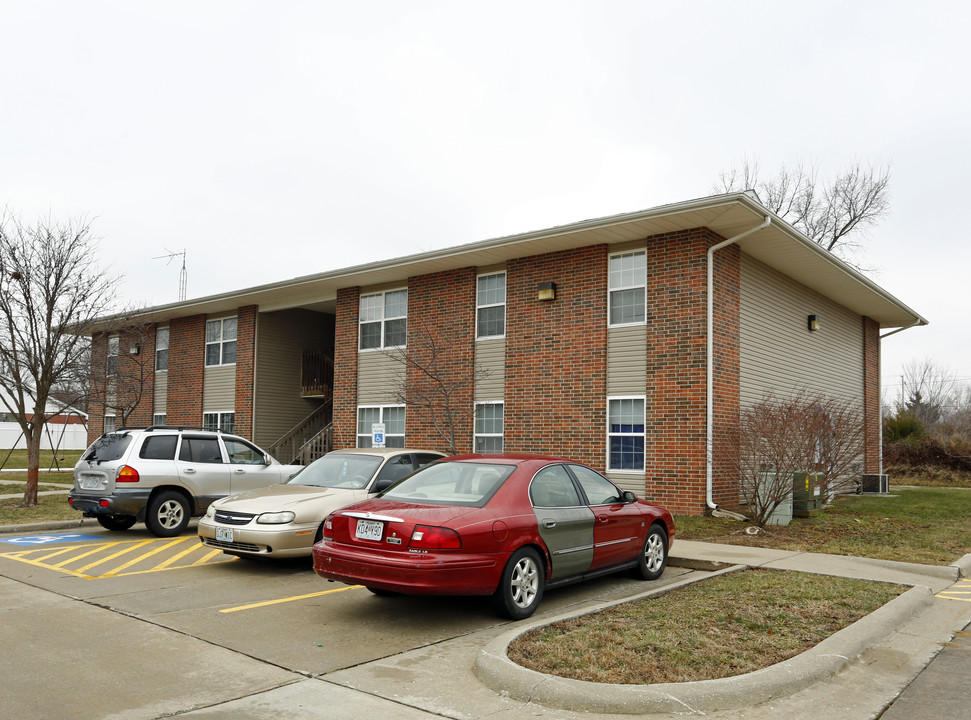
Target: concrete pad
x=728 y=554
x=935 y=577
x=117 y=666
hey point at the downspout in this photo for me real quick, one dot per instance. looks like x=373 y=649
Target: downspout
x=710 y=359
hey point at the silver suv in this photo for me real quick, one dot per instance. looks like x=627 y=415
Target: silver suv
x=164 y=475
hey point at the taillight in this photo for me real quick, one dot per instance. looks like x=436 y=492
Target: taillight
x=434 y=538
x=127 y=474
x=329 y=528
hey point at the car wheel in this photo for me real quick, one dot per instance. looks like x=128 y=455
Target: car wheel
x=116 y=522
x=521 y=586
x=654 y=555
x=168 y=514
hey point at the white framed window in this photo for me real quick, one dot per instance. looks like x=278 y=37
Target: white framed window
x=111 y=360
x=221 y=341
x=219 y=421
x=488 y=427
x=490 y=306
x=158 y=419
x=627 y=288
x=161 y=349
x=109 y=423
x=383 y=319
x=393 y=417
x=625 y=433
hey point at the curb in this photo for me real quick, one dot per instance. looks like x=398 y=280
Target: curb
x=963 y=566
x=44 y=526
x=495 y=670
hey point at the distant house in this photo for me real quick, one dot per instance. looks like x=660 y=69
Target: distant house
x=65 y=430
x=628 y=342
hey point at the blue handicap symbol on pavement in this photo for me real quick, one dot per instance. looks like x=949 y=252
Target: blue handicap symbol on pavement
x=29 y=540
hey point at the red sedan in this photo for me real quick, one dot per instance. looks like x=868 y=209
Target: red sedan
x=507 y=526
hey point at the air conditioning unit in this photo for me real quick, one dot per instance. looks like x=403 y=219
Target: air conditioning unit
x=877 y=483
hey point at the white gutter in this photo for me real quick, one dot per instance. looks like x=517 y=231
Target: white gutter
x=710 y=360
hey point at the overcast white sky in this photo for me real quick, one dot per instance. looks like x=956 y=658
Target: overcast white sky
x=276 y=139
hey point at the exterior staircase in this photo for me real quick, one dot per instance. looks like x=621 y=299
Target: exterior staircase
x=308 y=440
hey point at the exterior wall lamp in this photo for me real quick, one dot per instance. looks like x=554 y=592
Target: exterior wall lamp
x=546 y=291
x=813 y=323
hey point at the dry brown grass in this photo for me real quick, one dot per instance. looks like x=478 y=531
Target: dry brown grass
x=729 y=625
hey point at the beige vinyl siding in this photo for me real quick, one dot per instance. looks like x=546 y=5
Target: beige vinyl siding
x=378 y=377
x=219 y=390
x=282 y=339
x=161 y=399
x=778 y=353
x=627 y=360
x=635 y=482
x=490 y=358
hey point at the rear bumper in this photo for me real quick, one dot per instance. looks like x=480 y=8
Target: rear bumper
x=129 y=502
x=412 y=574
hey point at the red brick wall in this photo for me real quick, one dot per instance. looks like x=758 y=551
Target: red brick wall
x=345 y=368
x=556 y=355
x=137 y=372
x=441 y=329
x=187 y=338
x=245 y=364
x=676 y=368
x=871 y=396
x=96 y=408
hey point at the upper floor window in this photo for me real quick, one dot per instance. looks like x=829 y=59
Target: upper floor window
x=490 y=304
x=162 y=349
x=625 y=433
x=627 y=286
x=221 y=341
x=384 y=320
x=111 y=362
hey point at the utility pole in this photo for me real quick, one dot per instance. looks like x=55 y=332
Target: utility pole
x=183 y=274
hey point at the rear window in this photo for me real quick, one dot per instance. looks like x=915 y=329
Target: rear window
x=159 y=447
x=200 y=450
x=107 y=448
x=451 y=483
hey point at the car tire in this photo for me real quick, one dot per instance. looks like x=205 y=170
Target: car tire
x=654 y=554
x=116 y=522
x=168 y=514
x=521 y=586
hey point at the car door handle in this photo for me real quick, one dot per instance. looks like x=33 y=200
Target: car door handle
x=549 y=524
x=239 y=471
x=603 y=518
x=190 y=471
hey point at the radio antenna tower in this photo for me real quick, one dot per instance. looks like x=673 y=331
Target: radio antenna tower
x=182 y=274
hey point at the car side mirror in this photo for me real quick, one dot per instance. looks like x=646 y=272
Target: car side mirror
x=382 y=484
x=628 y=497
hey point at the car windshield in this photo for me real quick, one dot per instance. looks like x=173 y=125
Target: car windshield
x=107 y=448
x=352 y=472
x=451 y=483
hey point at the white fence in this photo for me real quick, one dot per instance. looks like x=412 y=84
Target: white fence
x=56 y=435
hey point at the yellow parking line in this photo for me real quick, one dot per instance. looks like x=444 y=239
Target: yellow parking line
x=92 y=551
x=205 y=558
x=117 y=554
x=289 y=599
x=59 y=551
x=179 y=556
x=134 y=561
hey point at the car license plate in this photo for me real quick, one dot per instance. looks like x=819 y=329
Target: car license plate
x=224 y=534
x=90 y=483
x=369 y=530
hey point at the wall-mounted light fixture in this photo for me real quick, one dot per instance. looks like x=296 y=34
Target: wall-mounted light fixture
x=134 y=349
x=546 y=291
x=813 y=323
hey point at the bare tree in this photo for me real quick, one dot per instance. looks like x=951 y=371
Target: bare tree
x=830 y=214
x=926 y=391
x=779 y=437
x=431 y=380
x=130 y=372
x=52 y=288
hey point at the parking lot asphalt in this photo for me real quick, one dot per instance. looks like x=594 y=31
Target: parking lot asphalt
x=145 y=655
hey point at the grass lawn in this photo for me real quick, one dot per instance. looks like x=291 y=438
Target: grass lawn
x=729 y=625
x=50 y=507
x=18 y=459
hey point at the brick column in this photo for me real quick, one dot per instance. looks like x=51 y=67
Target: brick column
x=187 y=357
x=872 y=460
x=345 y=368
x=245 y=370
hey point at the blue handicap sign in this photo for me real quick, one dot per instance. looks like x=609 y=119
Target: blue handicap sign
x=29 y=540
